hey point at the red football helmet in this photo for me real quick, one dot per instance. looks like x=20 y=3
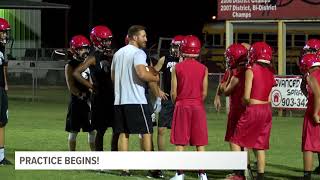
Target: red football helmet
x=190 y=46
x=236 y=54
x=175 y=45
x=126 y=40
x=4 y=28
x=101 y=37
x=260 y=51
x=307 y=61
x=4 y=25
x=177 y=40
x=79 y=42
x=312 y=46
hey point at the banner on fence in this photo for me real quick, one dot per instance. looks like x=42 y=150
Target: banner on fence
x=287 y=93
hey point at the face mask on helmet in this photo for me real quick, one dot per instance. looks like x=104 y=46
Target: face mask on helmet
x=236 y=55
x=4 y=31
x=80 y=47
x=312 y=46
x=105 y=44
x=227 y=62
x=175 y=50
x=228 y=66
x=175 y=46
x=101 y=37
x=309 y=51
x=4 y=36
x=82 y=53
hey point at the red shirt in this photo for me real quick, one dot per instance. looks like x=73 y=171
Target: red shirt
x=315 y=74
x=190 y=74
x=262 y=83
x=226 y=74
x=238 y=91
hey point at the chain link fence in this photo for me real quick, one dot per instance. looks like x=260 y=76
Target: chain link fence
x=214 y=79
x=37 y=75
x=213 y=82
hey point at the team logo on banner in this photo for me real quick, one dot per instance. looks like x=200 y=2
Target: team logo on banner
x=276 y=97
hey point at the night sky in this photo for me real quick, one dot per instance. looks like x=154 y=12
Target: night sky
x=162 y=18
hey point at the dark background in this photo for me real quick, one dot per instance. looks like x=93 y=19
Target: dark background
x=164 y=18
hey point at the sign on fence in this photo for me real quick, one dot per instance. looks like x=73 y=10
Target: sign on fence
x=268 y=9
x=287 y=94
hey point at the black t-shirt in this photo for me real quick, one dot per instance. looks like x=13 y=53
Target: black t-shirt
x=148 y=61
x=166 y=69
x=3 y=62
x=101 y=74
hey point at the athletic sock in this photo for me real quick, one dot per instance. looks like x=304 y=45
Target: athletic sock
x=1 y=153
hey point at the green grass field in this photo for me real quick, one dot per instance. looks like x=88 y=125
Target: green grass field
x=39 y=126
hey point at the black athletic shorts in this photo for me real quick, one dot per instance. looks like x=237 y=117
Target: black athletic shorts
x=166 y=114
x=78 y=116
x=132 y=119
x=102 y=111
x=3 y=107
